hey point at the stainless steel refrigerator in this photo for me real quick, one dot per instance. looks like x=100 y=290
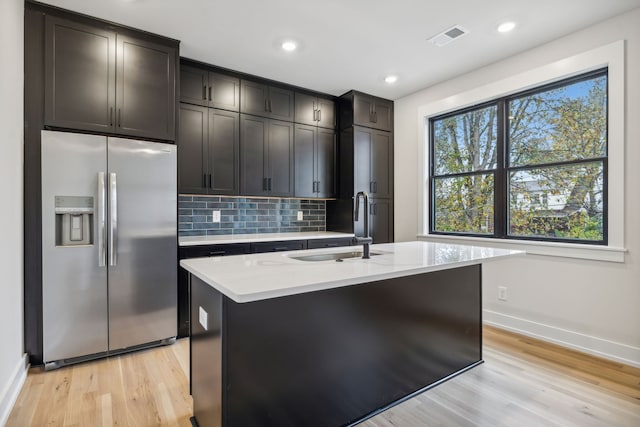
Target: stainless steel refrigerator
x=109 y=246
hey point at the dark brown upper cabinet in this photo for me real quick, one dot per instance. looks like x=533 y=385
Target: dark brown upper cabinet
x=315 y=111
x=208 y=155
x=266 y=101
x=202 y=87
x=266 y=157
x=315 y=158
x=100 y=80
x=365 y=110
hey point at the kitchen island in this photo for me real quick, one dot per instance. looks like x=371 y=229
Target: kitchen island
x=325 y=338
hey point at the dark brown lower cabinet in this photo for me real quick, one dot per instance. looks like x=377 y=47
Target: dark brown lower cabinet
x=186 y=252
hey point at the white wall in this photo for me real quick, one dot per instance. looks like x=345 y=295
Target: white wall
x=12 y=361
x=589 y=305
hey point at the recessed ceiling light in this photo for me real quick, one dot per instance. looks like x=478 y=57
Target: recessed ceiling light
x=391 y=79
x=289 y=46
x=505 y=27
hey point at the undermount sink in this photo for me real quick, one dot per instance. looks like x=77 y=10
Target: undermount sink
x=336 y=256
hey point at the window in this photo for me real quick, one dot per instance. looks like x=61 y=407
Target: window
x=532 y=165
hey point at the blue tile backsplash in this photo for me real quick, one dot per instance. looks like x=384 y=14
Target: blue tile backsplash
x=247 y=215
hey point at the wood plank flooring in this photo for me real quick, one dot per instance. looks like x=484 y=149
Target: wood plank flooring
x=523 y=382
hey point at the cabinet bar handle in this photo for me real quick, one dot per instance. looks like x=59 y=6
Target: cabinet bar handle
x=210 y=181
x=375 y=117
x=218 y=253
x=269 y=181
x=375 y=186
x=119 y=117
x=209 y=93
x=280 y=248
x=319 y=115
x=204 y=92
x=111 y=117
x=270 y=106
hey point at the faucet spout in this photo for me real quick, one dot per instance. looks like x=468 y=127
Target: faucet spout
x=366 y=240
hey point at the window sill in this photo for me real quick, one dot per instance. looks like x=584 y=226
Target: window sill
x=566 y=250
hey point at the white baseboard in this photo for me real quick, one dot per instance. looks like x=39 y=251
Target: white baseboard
x=621 y=353
x=12 y=389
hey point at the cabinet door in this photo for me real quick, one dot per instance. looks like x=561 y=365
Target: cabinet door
x=281 y=104
x=381 y=164
x=326 y=113
x=224 y=92
x=326 y=163
x=362 y=142
x=80 y=76
x=224 y=141
x=287 y=245
x=305 y=108
x=145 y=89
x=329 y=243
x=383 y=114
x=381 y=221
x=362 y=110
x=253 y=162
x=254 y=98
x=194 y=84
x=281 y=179
x=305 y=170
x=192 y=152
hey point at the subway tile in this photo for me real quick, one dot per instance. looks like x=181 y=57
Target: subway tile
x=206 y=199
x=185 y=226
x=185 y=198
x=245 y=205
x=185 y=211
x=195 y=205
x=201 y=218
x=219 y=205
x=202 y=212
x=188 y=233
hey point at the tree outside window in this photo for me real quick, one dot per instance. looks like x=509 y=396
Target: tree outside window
x=532 y=165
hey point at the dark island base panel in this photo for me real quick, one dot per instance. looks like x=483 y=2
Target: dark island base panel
x=334 y=357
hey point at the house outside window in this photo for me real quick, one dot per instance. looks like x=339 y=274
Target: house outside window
x=529 y=166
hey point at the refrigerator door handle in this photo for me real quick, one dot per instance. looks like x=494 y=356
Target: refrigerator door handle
x=102 y=249
x=113 y=219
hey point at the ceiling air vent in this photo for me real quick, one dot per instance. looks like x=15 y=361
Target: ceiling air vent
x=449 y=35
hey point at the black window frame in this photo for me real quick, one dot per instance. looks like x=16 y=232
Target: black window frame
x=504 y=169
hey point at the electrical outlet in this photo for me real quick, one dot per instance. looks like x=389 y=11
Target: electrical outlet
x=300 y=217
x=202 y=318
x=216 y=216
x=502 y=293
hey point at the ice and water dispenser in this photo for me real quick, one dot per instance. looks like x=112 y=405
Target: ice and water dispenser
x=74 y=220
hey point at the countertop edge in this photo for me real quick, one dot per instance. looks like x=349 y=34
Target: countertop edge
x=255 y=238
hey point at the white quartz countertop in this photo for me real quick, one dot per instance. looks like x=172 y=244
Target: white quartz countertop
x=266 y=237
x=246 y=278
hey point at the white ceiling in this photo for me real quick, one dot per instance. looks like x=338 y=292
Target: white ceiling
x=352 y=44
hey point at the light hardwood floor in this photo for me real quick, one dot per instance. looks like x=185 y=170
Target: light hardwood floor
x=523 y=382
